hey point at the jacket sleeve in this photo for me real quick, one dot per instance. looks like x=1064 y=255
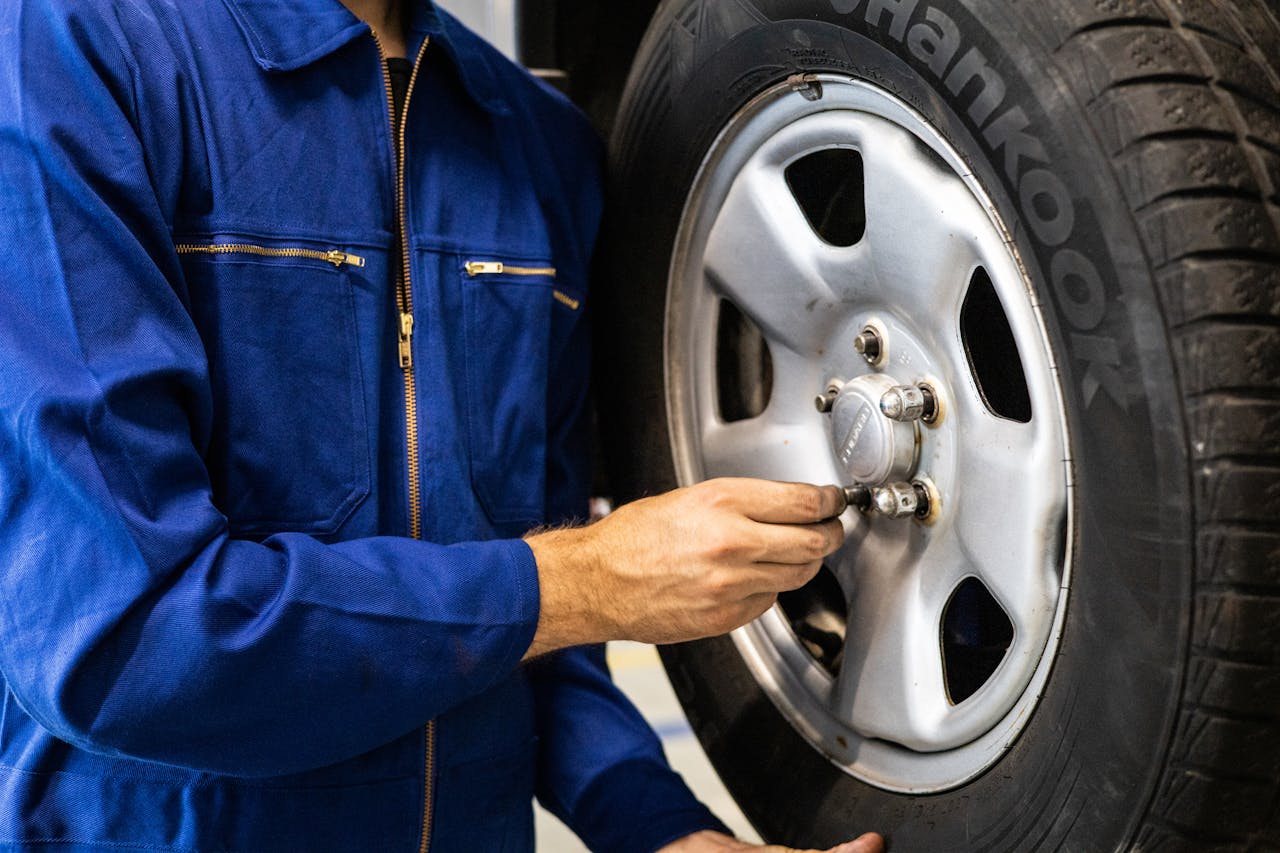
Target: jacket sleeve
x=601 y=768
x=130 y=622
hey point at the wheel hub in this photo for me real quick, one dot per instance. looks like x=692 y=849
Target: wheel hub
x=872 y=448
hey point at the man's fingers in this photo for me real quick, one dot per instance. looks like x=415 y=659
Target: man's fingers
x=757 y=604
x=774 y=502
x=784 y=577
x=797 y=543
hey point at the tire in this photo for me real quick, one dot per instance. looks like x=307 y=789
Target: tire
x=1132 y=148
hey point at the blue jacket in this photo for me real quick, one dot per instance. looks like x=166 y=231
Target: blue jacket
x=254 y=534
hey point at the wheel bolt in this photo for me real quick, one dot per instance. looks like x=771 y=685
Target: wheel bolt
x=824 y=401
x=923 y=500
x=910 y=403
x=869 y=345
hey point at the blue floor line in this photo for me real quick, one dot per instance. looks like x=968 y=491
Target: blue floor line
x=672 y=729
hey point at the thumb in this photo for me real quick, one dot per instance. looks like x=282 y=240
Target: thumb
x=869 y=843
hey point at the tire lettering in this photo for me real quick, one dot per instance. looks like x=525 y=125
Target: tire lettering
x=1039 y=185
x=973 y=67
x=1072 y=273
x=1007 y=132
x=900 y=10
x=934 y=38
x=1101 y=357
x=935 y=46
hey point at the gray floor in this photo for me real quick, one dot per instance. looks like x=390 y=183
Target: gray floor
x=638 y=672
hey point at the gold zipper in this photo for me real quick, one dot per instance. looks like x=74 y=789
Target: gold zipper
x=333 y=256
x=566 y=300
x=475 y=268
x=404 y=306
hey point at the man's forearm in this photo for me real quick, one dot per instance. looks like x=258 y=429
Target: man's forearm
x=695 y=562
x=573 y=606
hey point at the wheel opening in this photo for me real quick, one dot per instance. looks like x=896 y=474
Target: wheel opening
x=976 y=635
x=993 y=353
x=818 y=615
x=744 y=367
x=828 y=186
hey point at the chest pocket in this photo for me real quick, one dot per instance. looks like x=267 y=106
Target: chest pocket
x=511 y=332
x=288 y=448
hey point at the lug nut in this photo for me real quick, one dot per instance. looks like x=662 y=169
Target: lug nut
x=869 y=345
x=910 y=403
x=896 y=500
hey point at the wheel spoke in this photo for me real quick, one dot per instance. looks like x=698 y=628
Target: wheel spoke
x=796 y=381
x=1005 y=524
x=762 y=447
x=890 y=684
x=921 y=224
x=762 y=255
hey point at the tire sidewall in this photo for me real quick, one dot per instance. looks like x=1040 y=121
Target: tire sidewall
x=1082 y=770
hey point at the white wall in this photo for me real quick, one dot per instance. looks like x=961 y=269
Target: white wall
x=493 y=19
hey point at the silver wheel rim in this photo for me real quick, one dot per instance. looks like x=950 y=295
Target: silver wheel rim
x=1004 y=486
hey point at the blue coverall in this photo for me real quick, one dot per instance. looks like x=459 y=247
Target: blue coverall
x=260 y=505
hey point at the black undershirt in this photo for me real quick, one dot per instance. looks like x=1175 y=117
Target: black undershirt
x=400 y=70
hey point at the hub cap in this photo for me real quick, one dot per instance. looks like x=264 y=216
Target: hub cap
x=869 y=446
x=915 y=658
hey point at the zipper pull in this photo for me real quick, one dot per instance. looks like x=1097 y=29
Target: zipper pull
x=475 y=268
x=406 y=340
x=338 y=258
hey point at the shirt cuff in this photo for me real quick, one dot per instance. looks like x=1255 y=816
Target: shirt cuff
x=524 y=580
x=640 y=806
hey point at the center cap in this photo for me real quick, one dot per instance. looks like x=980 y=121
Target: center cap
x=871 y=447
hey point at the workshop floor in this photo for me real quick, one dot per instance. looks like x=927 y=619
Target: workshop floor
x=638 y=672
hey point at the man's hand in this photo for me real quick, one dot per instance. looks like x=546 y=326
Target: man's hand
x=715 y=842
x=695 y=562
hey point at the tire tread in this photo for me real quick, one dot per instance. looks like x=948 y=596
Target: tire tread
x=1181 y=94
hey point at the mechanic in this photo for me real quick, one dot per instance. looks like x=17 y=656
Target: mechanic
x=293 y=355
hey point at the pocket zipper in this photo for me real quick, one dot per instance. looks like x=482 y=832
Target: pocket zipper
x=333 y=256
x=475 y=268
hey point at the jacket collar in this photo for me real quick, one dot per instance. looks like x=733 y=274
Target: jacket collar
x=285 y=35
